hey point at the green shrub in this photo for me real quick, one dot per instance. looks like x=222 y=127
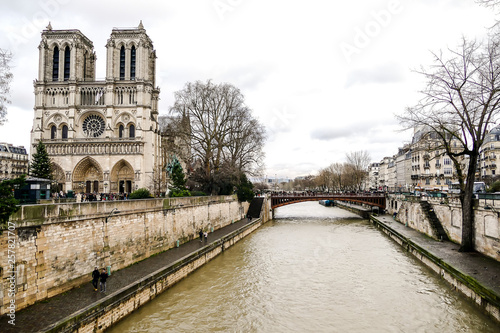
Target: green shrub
x=198 y=194
x=142 y=193
x=179 y=193
x=495 y=187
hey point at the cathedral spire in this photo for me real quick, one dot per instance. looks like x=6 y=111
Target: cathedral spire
x=49 y=27
x=140 y=25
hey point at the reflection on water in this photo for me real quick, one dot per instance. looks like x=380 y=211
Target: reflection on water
x=312 y=269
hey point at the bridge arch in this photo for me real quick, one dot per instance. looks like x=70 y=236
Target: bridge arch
x=362 y=199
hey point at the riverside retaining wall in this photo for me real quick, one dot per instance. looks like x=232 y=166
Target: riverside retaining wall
x=449 y=213
x=467 y=285
x=49 y=249
x=113 y=308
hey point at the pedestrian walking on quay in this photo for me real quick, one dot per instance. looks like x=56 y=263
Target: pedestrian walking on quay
x=201 y=235
x=104 y=277
x=206 y=236
x=95 y=278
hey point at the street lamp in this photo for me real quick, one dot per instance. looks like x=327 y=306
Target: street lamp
x=113 y=211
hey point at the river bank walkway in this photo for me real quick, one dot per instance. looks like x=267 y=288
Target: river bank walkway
x=41 y=316
x=478 y=271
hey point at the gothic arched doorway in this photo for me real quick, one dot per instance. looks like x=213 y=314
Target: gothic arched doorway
x=88 y=176
x=122 y=177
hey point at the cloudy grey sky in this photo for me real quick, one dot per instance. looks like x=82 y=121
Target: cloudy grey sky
x=325 y=77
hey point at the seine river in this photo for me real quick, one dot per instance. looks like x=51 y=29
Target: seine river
x=312 y=269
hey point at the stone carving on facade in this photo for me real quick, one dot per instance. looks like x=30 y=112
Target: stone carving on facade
x=93 y=142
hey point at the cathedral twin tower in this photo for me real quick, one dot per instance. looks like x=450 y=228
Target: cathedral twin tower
x=101 y=135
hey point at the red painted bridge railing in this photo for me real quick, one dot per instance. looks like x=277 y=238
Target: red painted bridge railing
x=376 y=200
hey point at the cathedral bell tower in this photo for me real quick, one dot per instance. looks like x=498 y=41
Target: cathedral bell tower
x=101 y=135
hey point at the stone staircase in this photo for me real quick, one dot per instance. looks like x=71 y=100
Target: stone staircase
x=255 y=207
x=433 y=220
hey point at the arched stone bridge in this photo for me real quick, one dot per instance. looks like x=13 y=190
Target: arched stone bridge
x=374 y=200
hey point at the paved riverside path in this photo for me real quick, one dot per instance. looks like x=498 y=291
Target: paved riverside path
x=485 y=270
x=41 y=315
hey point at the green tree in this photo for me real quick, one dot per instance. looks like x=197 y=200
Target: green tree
x=41 y=166
x=178 y=178
x=8 y=204
x=142 y=193
x=244 y=190
x=176 y=174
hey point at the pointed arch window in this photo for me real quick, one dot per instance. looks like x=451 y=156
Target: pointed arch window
x=55 y=64
x=122 y=63
x=64 y=132
x=53 y=132
x=132 y=63
x=67 y=56
x=120 y=131
x=131 y=131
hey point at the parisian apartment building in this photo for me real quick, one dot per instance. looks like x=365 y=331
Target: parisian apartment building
x=13 y=161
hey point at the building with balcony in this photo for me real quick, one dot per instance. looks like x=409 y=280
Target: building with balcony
x=488 y=156
x=431 y=167
x=372 y=182
x=13 y=161
x=102 y=135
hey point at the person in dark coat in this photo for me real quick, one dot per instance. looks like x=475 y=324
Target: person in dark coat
x=95 y=278
x=201 y=235
x=104 y=277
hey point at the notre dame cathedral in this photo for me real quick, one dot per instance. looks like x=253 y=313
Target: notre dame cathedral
x=101 y=135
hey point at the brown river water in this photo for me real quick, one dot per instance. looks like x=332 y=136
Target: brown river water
x=311 y=269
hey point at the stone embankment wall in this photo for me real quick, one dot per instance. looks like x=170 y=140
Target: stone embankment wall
x=113 y=308
x=449 y=213
x=57 y=246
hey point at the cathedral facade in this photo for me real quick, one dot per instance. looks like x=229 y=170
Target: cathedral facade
x=101 y=135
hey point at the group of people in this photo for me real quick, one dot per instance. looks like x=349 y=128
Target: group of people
x=99 y=278
x=203 y=235
x=59 y=195
x=85 y=197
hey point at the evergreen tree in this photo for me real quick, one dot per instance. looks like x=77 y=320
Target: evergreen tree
x=178 y=177
x=176 y=174
x=244 y=191
x=8 y=204
x=41 y=166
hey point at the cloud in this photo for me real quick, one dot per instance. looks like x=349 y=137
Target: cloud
x=382 y=74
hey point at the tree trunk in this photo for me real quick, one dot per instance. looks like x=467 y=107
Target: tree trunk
x=467 y=243
x=467 y=201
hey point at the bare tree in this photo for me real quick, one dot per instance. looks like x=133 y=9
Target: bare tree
x=460 y=102
x=324 y=179
x=488 y=3
x=225 y=139
x=358 y=162
x=5 y=79
x=338 y=172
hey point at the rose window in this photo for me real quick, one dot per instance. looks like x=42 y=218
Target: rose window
x=93 y=126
